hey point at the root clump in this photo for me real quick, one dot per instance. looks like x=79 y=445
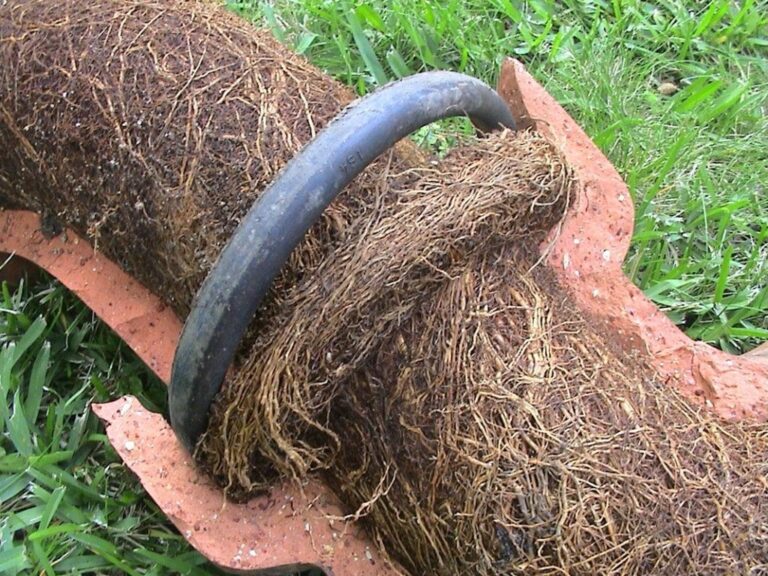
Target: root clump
x=414 y=351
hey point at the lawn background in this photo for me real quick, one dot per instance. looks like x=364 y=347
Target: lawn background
x=675 y=93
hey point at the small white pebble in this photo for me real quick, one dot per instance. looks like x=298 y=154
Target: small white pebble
x=251 y=552
x=621 y=198
x=566 y=261
x=607 y=255
x=667 y=88
x=307 y=527
x=576 y=241
x=368 y=555
x=129 y=445
x=595 y=293
x=187 y=533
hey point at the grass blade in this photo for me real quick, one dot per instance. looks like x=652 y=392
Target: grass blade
x=13 y=559
x=367 y=52
x=699 y=91
x=37 y=383
x=669 y=162
x=371 y=17
x=179 y=566
x=723 y=103
x=18 y=428
x=10 y=486
x=7 y=355
x=105 y=549
x=30 y=337
x=722 y=279
x=397 y=63
x=52 y=506
x=304 y=42
x=713 y=15
x=43 y=561
x=44 y=533
x=760 y=333
x=269 y=15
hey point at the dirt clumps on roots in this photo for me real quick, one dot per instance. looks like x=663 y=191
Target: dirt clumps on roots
x=152 y=126
x=413 y=352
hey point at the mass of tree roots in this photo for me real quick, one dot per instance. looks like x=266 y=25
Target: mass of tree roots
x=414 y=353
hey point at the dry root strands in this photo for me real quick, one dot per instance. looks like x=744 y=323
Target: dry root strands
x=393 y=257
x=415 y=357
x=449 y=392
x=511 y=440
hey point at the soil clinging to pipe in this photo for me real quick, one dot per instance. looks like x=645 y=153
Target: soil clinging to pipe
x=413 y=353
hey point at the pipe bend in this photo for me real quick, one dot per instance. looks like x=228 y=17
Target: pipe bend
x=277 y=222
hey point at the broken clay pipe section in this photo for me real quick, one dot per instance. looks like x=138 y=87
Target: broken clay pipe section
x=140 y=318
x=290 y=528
x=286 y=531
x=587 y=253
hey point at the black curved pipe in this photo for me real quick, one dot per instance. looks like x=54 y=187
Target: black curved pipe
x=240 y=279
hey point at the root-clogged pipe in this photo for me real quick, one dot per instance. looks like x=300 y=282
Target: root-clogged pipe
x=274 y=226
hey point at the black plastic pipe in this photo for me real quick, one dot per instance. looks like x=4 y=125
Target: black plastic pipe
x=274 y=226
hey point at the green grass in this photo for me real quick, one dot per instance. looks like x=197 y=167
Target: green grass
x=696 y=163
x=68 y=505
